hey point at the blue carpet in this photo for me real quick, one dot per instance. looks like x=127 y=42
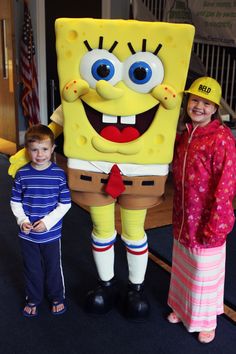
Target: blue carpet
x=160 y=244
x=76 y=332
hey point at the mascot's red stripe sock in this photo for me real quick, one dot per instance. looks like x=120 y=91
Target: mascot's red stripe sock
x=137 y=257
x=103 y=253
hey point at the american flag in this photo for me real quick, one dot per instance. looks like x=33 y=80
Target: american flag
x=29 y=99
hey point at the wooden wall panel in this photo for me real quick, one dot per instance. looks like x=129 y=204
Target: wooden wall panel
x=8 y=124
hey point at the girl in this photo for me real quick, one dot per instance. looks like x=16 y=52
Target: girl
x=204 y=169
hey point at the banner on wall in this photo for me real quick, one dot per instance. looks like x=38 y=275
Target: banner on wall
x=215 y=21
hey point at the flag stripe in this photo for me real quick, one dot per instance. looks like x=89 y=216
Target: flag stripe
x=29 y=99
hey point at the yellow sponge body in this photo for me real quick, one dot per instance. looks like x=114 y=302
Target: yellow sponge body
x=124 y=43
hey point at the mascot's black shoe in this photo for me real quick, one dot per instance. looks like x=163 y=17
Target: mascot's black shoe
x=136 y=304
x=103 y=298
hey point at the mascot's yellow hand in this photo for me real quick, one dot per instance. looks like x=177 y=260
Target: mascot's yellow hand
x=74 y=89
x=17 y=161
x=166 y=95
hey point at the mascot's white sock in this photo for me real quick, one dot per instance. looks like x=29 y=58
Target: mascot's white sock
x=137 y=257
x=103 y=253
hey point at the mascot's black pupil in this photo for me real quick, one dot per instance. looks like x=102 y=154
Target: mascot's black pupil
x=140 y=73
x=103 y=70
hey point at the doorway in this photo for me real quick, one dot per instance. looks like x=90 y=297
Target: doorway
x=8 y=107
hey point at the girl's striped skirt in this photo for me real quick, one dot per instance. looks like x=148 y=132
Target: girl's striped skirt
x=196 y=291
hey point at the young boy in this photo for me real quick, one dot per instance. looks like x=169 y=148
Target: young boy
x=40 y=198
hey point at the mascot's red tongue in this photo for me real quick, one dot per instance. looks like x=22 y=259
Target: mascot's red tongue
x=114 y=134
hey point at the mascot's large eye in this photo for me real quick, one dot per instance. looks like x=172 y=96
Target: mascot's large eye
x=99 y=64
x=143 y=71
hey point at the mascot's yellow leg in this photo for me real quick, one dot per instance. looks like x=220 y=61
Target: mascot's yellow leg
x=135 y=239
x=103 y=218
x=133 y=223
x=103 y=298
x=103 y=238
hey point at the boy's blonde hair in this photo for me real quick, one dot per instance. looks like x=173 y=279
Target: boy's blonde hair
x=38 y=132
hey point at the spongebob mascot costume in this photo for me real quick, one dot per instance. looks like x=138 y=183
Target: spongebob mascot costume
x=121 y=84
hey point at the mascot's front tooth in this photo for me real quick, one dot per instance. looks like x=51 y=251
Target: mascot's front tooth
x=109 y=119
x=128 y=119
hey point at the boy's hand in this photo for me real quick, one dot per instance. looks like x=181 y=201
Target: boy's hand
x=17 y=161
x=39 y=226
x=26 y=227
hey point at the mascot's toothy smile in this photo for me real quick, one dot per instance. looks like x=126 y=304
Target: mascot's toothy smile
x=120 y=129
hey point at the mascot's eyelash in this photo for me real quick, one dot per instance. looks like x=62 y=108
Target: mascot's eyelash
x=144 y=47
x=100 y=45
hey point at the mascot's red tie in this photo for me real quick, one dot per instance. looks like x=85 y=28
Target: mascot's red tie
x=115 y=185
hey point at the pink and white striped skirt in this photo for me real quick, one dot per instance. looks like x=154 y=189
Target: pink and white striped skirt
x=196 y=291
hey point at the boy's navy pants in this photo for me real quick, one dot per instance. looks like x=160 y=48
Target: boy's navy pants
x=43 y=271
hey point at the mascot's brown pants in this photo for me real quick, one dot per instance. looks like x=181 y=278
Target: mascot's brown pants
x=141 y=192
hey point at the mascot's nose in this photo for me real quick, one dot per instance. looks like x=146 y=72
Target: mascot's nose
x=107 y=91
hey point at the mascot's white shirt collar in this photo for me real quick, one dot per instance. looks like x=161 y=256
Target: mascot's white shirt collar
x=126 y=168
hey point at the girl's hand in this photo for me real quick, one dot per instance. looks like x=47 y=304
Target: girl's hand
x=39 y=226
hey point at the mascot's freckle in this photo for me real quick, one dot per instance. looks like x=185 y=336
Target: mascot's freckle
x=121 y=84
